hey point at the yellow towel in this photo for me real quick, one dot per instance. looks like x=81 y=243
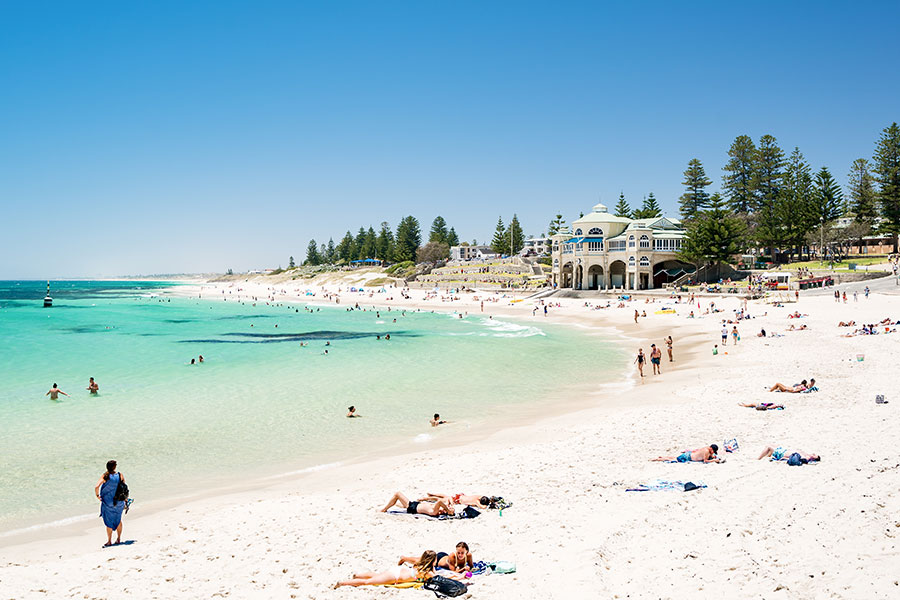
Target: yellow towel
x=403 y=586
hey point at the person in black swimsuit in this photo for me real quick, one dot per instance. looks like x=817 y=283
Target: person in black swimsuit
x=434 y=509
x=640 y=361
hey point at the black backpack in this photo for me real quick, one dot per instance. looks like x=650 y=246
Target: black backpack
x=121 y=491
x=445 y=588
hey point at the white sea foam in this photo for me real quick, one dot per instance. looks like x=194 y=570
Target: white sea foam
x=507 y=329
x=59 y=523
x=311 y=469
x=422 y=438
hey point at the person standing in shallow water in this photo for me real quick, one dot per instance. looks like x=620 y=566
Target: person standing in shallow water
x=640 y=361
x=92 y=386
x=54 y=393
x=110 y=510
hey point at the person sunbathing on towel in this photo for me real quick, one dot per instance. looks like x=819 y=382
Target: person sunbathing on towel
x=459 y=561
x=422 y=570
x=801 y=328
x=762 y=405
x=418 y=507
x=780 y=453
x=796 y=388
x=706 y=454
x=463 y=499
x=847 y=324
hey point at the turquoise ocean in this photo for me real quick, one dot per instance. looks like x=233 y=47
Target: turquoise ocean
x=261 y=404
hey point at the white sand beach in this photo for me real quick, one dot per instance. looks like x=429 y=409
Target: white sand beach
x=759 y=529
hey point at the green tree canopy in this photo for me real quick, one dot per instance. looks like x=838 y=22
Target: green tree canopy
x=828 y=199
x=556 y=224
x=887 y=173
x=649 y=209
x=291 y=264
x=622 y=208
x=438 y=230
x=384 y=245
x=330 y=252
x=347 y=248
x=740 y=175
x=517 y=237
x=312 y=254
x=409 y=236
x=500 y=243
x=369 y=245
x=452 y=238
x=714 y=235
x=863 y=197
x=695 y=196
x=767 y=183
x=794 y=210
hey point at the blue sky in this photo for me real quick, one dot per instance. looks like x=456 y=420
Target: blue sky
x=196 y=136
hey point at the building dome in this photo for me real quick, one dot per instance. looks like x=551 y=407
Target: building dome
x=600 y=208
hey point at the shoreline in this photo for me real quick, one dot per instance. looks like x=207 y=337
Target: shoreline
x=573 y=530
x=523 y=415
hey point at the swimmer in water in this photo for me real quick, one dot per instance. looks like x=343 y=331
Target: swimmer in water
x=55 y=392
x=437 y=420
x=92 y=386
x=351 y=413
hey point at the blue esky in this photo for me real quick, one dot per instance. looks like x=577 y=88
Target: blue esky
x=165 y=137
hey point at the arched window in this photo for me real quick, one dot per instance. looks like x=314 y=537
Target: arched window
x=631 y=241
x=631 y=261
x=595 y=231
x=645 y=262
x=578 y=231
x=645 y=241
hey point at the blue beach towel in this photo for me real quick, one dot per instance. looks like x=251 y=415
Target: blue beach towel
x=111 y=511
x=663 y=485
x=808 y=390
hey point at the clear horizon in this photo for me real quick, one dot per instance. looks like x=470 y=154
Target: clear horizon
x=175 y=138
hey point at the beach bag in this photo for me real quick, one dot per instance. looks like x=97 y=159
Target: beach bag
x=121 y=491
x=469 y=513
x=794 y=460
x=445 y=588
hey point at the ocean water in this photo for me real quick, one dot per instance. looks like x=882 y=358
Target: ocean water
x=261 y=404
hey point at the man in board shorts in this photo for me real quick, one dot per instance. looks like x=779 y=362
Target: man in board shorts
x=655 y=356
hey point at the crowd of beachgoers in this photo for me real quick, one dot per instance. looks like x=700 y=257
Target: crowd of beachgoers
x=752 y=525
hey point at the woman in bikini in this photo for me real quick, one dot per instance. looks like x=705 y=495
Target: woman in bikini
x=463 y=499
x=420 y=507
x=459 y=561
x=640 y=361
x=422 y=570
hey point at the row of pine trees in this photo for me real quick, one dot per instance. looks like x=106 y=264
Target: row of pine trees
x=772 y=200
x=400 y=245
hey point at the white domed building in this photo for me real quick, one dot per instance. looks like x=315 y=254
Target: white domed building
x=603 y=251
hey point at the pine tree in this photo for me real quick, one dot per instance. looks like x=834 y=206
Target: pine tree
x=452 y=238
x=291 y=264
x=347 y=248
x=370 y=245
x=828 y=199
x=887 y=173
x=738 y=181
x=863 y=199
x=622 y=208
x=330 y=252
x=714 y=235
x=323 y=252
x=384 y=245
x=312 y=254
x=438 y=230
x=649 y=209
x=767 y=183
x=358 y=243
x=794 y=210
x=517 y=237
x=556 y=225
x=409 y=236
x=500 y=243
x=695 y=197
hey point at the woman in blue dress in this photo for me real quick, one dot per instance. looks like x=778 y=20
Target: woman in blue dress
x=110 y=510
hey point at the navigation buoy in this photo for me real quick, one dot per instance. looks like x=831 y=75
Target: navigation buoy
x=48 y=301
